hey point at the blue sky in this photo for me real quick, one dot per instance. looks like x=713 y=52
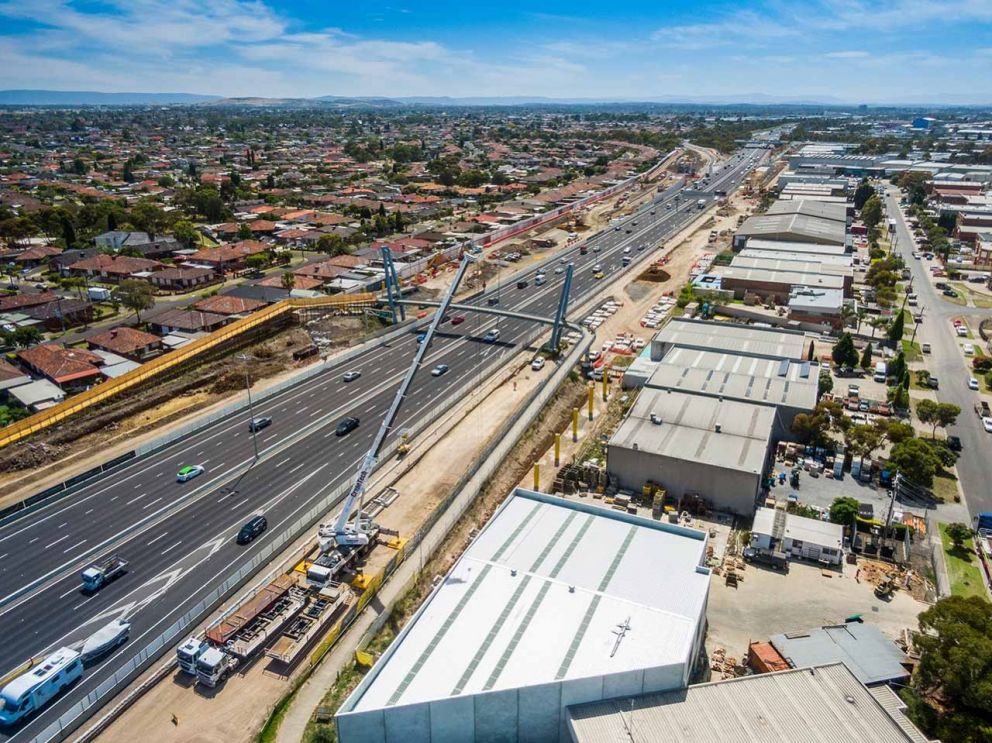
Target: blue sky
x=846 y=50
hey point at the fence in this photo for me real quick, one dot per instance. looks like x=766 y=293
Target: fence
x=111 y=388
x=83 y=709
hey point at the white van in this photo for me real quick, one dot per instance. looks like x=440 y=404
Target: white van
x=880 y=372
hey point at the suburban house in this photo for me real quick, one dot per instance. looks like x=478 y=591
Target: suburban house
x=225 y=304
x=61 y=313
x=227 y=257
x=69 y=368
x=182 y=278
x=128 y=342
x=113 y=268
x=186 y=321
x=37 y=255
x=159 y=247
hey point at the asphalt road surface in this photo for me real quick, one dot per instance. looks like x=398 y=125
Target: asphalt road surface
x=179 y=537
x=947 y=363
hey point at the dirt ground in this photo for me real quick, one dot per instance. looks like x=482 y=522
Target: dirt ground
x=249 y=695
x=767 y=602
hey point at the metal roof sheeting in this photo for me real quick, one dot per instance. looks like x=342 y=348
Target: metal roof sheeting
x=813 y=705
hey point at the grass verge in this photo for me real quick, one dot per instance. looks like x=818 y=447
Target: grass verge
x=962 y=568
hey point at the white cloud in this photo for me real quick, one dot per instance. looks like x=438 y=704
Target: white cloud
x=853 y=54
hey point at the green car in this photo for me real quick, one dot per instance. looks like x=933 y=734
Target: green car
x=189 y=472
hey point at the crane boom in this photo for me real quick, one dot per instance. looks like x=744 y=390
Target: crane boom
x=346 y=534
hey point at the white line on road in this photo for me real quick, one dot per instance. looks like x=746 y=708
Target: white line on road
x=159 y=474
x=305 y=407
x=135 y=500
x=62 y=526
x=151 y=503
x=34 y=540
x=296 y=467
x=318 y=411
x=74 y=589
x=163 y=535
x=138 y=485
x=169 y=549
x=283 y=462
x=80 y=544
x=60 y=539
x=83 y=602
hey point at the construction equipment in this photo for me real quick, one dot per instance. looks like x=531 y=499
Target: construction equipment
x=886 y=588
x=347 y=537
x=404 y=446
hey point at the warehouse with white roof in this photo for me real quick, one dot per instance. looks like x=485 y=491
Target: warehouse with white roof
x=749 y=340
x=554 y=603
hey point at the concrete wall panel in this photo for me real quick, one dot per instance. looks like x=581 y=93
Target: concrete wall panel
x=452 y=720
x=540 y=713
x=364 y=727
x=408 y=724
x=496 y=717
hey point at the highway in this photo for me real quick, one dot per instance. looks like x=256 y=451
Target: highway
x=179 y=537
x=947 y=363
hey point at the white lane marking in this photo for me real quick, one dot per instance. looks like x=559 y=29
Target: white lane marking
x=169 y=549
x=62 y=526
x=269 y=438
x=34 y=540
x=159 y=474
x=283 y=462
x=135 y=500
x=151 y=503
x=316 y=412
x=80 y=544
x=87 y=513
x=60 y=539
x=296 y=467
x=4 y=555
x=74 y=589
x=163 y=535
x=305 y=407
x=329 y=434
x=83 y=602
x=138 y=485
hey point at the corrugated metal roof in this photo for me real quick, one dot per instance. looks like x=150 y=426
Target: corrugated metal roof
x=744 y=340
x=870 y=655
x=826 y=704
x=539 y=595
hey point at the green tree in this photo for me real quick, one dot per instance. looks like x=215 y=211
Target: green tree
x=149 y=217
x=826 y=383
x=958 y=533
x=288 y=281
x=332 y=244
x=244 y=231
x=898 y=327
x=896 y=431
x=844 y=510
x=864 y=192
x=937 y=414
x=866 y=357
x=68 y=231
x=871 y=212
x=897 y=367
x=184 y=231
x=136 y=295
x=914 y=459
x=844 y=353
x=951 y=690
x=864 y=439
x=811 y=428
x=257 y=261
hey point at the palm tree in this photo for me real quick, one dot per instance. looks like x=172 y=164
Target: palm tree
x=288 y=281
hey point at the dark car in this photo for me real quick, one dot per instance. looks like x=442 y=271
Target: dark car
x=950 y=293
x=866 y=511
x=954 y=443
x=521 y=284
x=255 y=526
x=257 y=424
x=492 y=301
x=346 y=426
x=457 y=319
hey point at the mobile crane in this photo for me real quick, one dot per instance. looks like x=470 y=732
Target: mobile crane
x=340 y=540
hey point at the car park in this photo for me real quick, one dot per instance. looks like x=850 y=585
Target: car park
x=346 y=426
x=257 y=424
x=351 y=376
x=253 y=528
x=438 y=370
x=189 y=472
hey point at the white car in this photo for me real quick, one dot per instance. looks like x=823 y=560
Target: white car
x=962 y=331
x=537 y=364
x=987 y=424
x=969 y=349
x=189 y=472
x=972 y=383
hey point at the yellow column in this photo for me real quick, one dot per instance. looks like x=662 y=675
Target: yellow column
x=557 y=448
x=606 y=382
x=575 y=424
x=592 y=387
x=537 y=476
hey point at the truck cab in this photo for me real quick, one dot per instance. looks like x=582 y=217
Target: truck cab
x=188 y=653
x=213 y=666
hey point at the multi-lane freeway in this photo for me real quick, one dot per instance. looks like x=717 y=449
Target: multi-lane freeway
x=179 y=537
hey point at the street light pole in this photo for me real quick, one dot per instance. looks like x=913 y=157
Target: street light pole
x=251 y=413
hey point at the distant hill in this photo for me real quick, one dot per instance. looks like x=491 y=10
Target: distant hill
x=327 y=101
x=92 y=98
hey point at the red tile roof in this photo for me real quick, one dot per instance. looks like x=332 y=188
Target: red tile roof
x=61 y=364
x=122 y=265
x=124 y=340
x=224 y=304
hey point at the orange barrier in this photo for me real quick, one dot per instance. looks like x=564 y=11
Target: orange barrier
x=102 y=392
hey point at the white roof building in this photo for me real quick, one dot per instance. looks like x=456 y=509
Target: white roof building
x=556 y=602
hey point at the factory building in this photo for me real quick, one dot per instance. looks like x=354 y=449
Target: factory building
x=794 y=247
x=806 y=265
x=794 y=227
x=690 y=444
x=744 y=340
x=554 y=603
x=774 y=285
x=790 y=387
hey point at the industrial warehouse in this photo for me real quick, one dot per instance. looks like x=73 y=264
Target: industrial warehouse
x=549 y=606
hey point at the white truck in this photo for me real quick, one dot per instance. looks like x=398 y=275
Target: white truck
x=213 y=666
x=102 y=572
x=188 y=653
x=99 y=294
x=701 y=204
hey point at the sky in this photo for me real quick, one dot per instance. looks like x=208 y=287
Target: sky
x=852 y=51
